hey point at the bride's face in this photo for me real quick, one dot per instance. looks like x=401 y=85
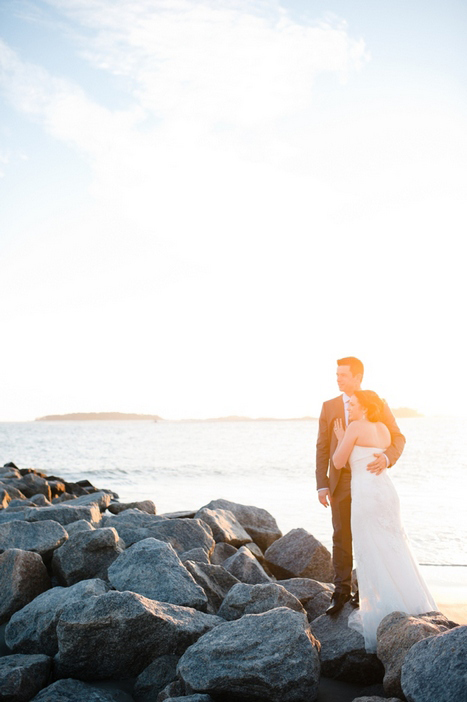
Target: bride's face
x=356 y=411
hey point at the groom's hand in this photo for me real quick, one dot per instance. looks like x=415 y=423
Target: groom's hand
x=378 y=465
x=324 y=496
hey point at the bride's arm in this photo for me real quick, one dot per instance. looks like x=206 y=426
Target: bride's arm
x=346 y=442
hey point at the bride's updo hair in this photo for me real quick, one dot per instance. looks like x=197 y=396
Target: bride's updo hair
x=372 y=403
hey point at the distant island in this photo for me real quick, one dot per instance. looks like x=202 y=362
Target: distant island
x=400 y=412
x=79 y=416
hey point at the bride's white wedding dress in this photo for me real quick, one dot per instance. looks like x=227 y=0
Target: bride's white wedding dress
x=388 y=576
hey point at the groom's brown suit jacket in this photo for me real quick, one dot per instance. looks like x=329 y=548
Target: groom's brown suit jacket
x=327 y=476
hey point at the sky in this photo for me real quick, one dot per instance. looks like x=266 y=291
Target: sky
x=205 y=203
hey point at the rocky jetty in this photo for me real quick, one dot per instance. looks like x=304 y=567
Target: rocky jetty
x=105 y=600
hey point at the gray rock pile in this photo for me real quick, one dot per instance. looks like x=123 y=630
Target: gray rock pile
x=108 y=601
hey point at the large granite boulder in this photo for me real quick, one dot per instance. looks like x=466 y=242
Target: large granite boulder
x=40 y=537
x=396 y=635
x=147 y=506
x=120 y=633
x=271 y=656
x=222 y=552
x=101 y=498
x=23 y=576
x=155 y=678
x=33 y=629
x=299 y=555
x=80 y=525
x=152 y=569
x=225 y=526
x=66 y=513
x=254 y=599
x=184 y=534
x=215 y=581
x=132 y=524
x=260 y=525
x=245 y=567
x=86 y=554
x=31 y=484
x=343 y=654
x=70 y=690
x=198 y=555
x=314 y=595
x=21 y=677
x=435 y=668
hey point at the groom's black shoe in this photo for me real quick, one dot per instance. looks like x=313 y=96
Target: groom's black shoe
x=355 y=600
x=337 y=602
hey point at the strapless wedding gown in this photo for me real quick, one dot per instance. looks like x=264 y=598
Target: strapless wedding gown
x=389 y=579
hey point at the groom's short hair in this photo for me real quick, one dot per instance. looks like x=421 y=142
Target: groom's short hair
x=355 y=365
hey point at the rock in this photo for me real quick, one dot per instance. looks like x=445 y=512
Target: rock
x=101 y=498
x=13 y=492
x=396 y=635
x=343 y=655
x=155 y=678
x=86 y=554
x=172 y=690
x=184 y=534
x=376 y=698
x=118 y=634
x=224 y=526
x=33 y=629
x=9 y=470
x=5 y=498
x=314 y=596
x=132 y=525
x=181 y=514
x=215 y=581
x=57 y=486
x=70 y=690
x=256 y=551
x=40 y=537
x=80 y=525
x=21 y=677
x=63 y=497
x=31 y=484
x=198 y=555
x=152 y=569
x=254 y=599
x=147 y=506
x=246 y=568
x=261 y=526
x=191 y=698
x=40 y=500
x=435 y=668
x=221 y=553
x=299 y=555
x=271 y=656
x=66 y=513
x=23 y=576
x=19 y=503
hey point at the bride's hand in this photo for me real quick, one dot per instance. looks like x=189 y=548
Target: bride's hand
x=339 y=429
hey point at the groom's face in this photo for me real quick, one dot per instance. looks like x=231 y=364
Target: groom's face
x=347 y=382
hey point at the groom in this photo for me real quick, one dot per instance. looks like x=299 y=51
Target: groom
x=334 y=485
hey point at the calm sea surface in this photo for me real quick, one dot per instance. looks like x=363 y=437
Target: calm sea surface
x=184 y=465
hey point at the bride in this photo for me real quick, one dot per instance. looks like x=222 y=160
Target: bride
x=388 y=576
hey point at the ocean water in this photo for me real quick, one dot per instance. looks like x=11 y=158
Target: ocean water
x=184 y=465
